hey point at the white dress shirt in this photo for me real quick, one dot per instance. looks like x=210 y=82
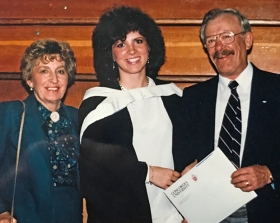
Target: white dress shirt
x=244 y=81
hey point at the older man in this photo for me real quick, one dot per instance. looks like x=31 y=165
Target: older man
x=237 y=111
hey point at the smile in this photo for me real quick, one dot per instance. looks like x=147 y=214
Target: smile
x=52 y=89
x=133 y=60
x=222 y=54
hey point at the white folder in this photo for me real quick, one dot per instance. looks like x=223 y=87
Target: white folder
x=204 y=194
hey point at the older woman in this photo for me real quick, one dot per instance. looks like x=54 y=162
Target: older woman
x=47 y=184
x=126 y=123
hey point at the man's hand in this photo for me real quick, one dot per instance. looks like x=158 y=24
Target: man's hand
x=251 y=178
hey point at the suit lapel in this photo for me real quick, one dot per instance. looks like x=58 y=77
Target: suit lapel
x=209 y=111
x=33 y=127
x=200 y=113
x=258 y=114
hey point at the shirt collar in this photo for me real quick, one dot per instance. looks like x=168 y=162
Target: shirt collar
x=244 y=80
x=46 y=113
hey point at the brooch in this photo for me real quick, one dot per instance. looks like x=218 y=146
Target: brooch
x=54 y=116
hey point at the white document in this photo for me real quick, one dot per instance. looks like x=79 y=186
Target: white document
x=205 y=194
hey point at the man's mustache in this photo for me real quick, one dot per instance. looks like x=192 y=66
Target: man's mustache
x=221 y=53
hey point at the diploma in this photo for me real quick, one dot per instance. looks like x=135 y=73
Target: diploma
x=204 y=194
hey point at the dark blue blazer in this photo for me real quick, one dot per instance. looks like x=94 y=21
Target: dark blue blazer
x=34 y=199
x=262 y=145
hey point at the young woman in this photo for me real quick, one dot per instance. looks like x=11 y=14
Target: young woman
x=126 y=123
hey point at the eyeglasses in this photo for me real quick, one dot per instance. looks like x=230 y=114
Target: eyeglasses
x=225 y=37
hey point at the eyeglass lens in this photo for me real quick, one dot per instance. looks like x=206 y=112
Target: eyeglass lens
x=225 y=38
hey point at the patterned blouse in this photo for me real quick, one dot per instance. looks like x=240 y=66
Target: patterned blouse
x=61 y=146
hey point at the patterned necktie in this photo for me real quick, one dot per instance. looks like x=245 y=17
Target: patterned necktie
x=230 y=135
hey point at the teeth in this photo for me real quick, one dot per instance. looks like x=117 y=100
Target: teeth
x=52 y=89
x=132 y=60
x=222 y=56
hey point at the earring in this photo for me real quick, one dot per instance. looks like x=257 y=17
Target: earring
x=148 y=61
x=113 y=65
x=31 y=89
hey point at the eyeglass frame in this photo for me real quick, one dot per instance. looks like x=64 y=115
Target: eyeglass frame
x=219 y=36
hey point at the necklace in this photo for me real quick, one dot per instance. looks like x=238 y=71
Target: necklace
x=122 y=88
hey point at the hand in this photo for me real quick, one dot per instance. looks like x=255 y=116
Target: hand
x=251 y=178
x=163 y=177
x=187 y=168
x=5 y=217
x=184 y=221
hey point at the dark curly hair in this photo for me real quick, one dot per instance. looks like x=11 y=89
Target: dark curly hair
x=114 y=24
x=47 y=50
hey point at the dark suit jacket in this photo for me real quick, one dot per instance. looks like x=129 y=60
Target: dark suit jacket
x=34 y=197
x=112 y=178
x=262 y=145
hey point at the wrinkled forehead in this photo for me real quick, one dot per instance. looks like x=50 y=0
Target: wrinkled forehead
x=46 y=58
x=222 y=23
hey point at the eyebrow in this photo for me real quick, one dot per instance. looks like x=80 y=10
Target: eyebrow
x=44 y=66
x=225 y=31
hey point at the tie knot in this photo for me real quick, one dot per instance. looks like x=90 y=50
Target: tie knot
x=232 y=85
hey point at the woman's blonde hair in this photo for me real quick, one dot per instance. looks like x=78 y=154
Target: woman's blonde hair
x=48 y=50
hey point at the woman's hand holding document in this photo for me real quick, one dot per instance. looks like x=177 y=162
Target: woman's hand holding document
x=205 y=193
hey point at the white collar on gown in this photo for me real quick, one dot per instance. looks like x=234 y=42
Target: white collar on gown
x=116 y=100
